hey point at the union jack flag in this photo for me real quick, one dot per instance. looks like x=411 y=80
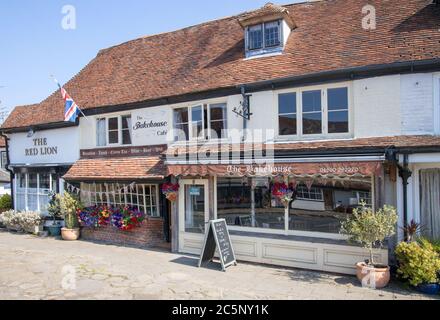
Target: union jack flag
x=71 y=109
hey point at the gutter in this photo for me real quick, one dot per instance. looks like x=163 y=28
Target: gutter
x=11 y=172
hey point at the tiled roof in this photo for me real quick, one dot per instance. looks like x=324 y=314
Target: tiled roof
x=117 y=169
x=211 y=55
x=2 y=142
x=414 y=142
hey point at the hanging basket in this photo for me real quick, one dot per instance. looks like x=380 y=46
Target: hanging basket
x=171 y=196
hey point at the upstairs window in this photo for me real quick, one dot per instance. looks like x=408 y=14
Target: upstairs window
x=113 y=131
x=264 y=37
x=314 y=112
x=207 y=121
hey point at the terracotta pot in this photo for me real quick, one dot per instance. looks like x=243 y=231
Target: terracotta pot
x=70 y=234
x=381 y=275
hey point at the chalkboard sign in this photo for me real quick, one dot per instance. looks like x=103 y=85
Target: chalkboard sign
x=217 y=236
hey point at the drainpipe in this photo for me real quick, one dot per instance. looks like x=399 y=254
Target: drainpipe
x=405 y=174
x=11 y=172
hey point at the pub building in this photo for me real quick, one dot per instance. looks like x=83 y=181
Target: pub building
x=231 y=109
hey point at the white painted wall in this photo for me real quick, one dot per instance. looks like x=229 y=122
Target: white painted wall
x=377 y=107
x=417 y=106
x=380 y=106
x=66 y=141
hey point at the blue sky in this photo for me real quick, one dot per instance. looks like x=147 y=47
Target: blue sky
x=34 y=45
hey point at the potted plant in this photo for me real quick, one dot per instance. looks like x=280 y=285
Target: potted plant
x=281 y=191
x=69 y=206
x=411 y=230
x=419 y=264
x=370 y=229
x=54 y=210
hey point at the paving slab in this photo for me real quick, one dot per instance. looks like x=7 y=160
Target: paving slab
x=48 y=268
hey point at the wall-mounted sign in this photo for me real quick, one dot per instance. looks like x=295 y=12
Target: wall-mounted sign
x=40 y=146
x=150 y=125
x=53 y=146
x=145 y=151
x=194 y=191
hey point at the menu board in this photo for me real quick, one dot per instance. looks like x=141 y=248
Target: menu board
x=217 y=236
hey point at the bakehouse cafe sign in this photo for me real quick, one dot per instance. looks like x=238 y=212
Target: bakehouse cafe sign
x=40 y=147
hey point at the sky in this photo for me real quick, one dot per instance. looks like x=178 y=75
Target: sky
x=34 y=44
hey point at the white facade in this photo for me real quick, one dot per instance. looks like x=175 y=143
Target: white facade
x=380 y=106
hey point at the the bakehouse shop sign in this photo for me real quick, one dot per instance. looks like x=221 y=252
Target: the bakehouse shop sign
x=150 y=126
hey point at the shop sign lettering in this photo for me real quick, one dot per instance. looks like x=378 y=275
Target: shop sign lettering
x=339 y=170
x=40 y=147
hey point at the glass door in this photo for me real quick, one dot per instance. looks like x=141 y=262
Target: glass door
x=194 y=213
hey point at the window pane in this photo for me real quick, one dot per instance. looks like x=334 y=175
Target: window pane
x=287 y=124
x=327 y=203
x=197 y=122
x=195 y=208
x=100 y=132
x=181 y=132
x=113 y=137
x=311 y=101
x=287 y=103
x=338 y=99
x=113 y=123
x=312 y=123
x=196 y=113
x=32 y=180
x=45 y=181
x=126 y=122
x=180 y=115
x=126 y=136
x=338 y=121
x=272 y=33
x=218 y=111
x=218 y=129
x=255 y=37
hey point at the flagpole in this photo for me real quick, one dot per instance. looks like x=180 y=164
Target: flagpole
x=59 y=86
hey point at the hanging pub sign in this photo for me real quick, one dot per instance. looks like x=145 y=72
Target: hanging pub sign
x=217 y=236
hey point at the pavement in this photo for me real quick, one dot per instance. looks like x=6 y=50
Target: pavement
x=49 y=268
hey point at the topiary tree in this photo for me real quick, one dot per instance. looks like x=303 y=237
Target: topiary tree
x=370 y=228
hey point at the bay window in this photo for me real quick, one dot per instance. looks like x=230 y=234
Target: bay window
x=113 y=131
x=32 y=190
x=316 y=112
x=144 y=197
x=207 y=121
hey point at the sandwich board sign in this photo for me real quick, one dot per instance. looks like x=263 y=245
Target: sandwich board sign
x=217 y=236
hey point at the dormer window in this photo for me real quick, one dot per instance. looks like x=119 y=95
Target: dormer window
x=264 y=35
x=266 y=30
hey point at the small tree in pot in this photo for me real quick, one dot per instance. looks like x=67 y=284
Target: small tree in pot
x=54 y=210
x=370 y=229
x=69 y=206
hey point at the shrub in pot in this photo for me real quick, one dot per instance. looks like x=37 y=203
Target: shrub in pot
x=69 y=206
x=5 y=202
x=419 y=264
x=370 y=228
x=11 y=220
x=29 y=221
x=54 y=211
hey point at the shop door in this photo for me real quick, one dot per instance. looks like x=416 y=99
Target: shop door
x=193 y=214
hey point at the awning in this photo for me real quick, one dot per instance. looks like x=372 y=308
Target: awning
x=117 y=169
x=306 y=169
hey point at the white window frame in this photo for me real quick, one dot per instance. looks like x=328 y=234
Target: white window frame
x=206 y=135
x=93 y=199
x=324 y=112
x=321 y=193
x=436 y=102
x=25 y=191
x=107 y=130
x=264 y=50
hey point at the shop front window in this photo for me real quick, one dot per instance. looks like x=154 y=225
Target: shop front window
x=248 y=203
x=430 y=202
x=324 y=205
x=144 y=197
x=320 y=207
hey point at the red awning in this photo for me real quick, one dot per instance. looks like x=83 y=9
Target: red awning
x=328 y=169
